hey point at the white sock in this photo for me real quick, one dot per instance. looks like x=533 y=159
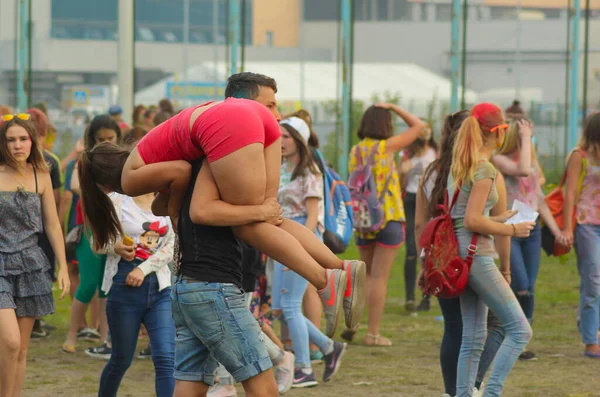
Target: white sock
x=306 y=371
x=329 y=348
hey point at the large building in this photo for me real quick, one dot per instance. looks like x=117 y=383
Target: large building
x=74 y=41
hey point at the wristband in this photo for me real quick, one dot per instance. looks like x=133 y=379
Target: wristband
x=514 y=230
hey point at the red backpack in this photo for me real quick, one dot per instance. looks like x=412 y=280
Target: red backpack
x=446 y=273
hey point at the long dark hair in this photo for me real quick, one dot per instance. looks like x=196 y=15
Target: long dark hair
x=99 y=167
x=443 y=163
x=590 y=139
x=306 y=161
x=98 y=123
x=376 y=123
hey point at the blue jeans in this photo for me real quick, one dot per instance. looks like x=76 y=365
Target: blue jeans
x=127 y=308
x=214 y=325
x=287 y=296
x=587 y=247
x=487 y=288
x=525 y=255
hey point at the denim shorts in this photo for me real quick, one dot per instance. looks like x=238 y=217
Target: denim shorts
x=213 y=325
x=391 y=236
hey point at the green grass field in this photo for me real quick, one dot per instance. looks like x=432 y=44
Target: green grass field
x=409 y=368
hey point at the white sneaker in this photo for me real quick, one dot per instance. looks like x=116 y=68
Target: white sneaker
x=478 y=392
x=284 y=372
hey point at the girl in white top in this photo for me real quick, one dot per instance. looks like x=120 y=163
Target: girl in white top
x=421 y=153
x=137 y=280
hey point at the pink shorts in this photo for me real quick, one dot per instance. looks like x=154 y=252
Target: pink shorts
x=219 y=131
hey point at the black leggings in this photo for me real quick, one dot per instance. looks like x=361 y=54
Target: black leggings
x=410 y=262
x=451 y=342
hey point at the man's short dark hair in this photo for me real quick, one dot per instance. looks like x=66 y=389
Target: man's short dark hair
x=246 y=85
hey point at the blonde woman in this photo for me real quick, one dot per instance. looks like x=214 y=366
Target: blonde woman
x=472 y=172
x=517 y=161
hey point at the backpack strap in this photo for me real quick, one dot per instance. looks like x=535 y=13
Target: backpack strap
x=385 y=188
x=371 y=158
x=472 y=250
x=357 y=155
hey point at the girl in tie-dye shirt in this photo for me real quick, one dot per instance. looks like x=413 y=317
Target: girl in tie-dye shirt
x=584 y=196
x=517 y=161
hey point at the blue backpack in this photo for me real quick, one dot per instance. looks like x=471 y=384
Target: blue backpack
x=367 y=205
x=338 y=208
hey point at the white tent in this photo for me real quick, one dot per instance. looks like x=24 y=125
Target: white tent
x=410 y=81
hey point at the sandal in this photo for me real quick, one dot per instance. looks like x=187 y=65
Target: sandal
x=378 y=340
x=69 y=349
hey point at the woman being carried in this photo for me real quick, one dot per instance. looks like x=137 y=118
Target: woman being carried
x=241 y=140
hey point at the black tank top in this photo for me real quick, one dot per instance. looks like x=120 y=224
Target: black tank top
x=208 y=253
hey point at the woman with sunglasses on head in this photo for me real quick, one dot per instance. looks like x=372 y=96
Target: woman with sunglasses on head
x=472 y=173
x=429 y=195
x=27 y=208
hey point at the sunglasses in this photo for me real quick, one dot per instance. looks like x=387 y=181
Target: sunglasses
x=20 y=116
x=496 y=128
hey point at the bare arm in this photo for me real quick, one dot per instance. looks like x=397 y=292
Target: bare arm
x=54 y=231
x=57 y=199
x=546 y=215
x=421 y=215
x=208 y=209
x=502 y=243
x=523 y=167
x=73 y=155
x=542 y=177
x=312 y=209
x=160 y=204
x=75 y=182
x=64 y=206
x=415 y=129
x=574 y=166
x=476 y=222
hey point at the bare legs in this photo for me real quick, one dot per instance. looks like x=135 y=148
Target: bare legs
x=139 y=178
x=10 y=344
x=243 y=178
x=379 y=262
x=14 y=340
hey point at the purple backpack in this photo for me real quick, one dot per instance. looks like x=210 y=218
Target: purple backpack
x=366 y=204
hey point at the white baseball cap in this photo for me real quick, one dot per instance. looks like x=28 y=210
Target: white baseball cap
x=299 y=125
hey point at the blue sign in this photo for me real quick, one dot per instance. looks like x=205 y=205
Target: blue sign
x=195 y=91
x=80 y=97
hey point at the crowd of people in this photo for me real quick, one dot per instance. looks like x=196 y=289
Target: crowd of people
x=201 y=227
